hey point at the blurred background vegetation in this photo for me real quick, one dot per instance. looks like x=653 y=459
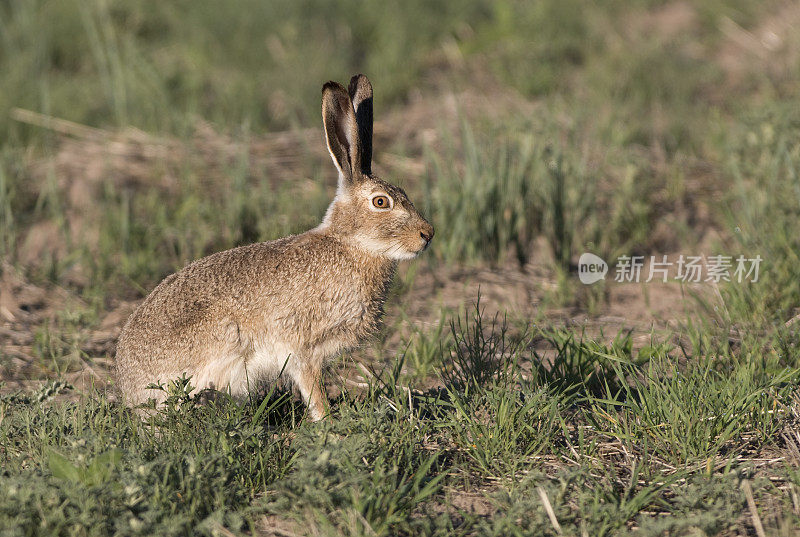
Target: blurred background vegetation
x=603 y=128
x=160 y=66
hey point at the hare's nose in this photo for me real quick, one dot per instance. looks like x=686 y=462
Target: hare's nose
x=427 y=234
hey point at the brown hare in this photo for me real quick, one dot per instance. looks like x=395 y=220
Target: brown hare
x=243 y=315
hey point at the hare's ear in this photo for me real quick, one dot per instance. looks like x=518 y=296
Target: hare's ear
x=341 y=130
x=361 y=94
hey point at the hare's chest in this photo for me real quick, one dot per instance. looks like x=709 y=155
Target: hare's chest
x=342 y=320
x=352 y=317
x=329 y=313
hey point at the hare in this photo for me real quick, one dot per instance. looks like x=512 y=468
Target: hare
x=243 y=315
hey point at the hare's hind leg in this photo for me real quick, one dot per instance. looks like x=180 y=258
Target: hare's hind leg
x=307 y=377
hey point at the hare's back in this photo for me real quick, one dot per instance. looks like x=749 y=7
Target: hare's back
x=279 y=277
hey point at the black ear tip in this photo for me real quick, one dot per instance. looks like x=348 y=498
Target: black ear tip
x=360 y=85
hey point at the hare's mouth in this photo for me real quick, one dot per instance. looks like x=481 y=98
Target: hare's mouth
x=423 y=248
x=412 y=253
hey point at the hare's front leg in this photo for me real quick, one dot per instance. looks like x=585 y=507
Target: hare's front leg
x=307 y=378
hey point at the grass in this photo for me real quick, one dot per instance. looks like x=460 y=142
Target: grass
x=387 y=457
x=529 y=135
x=764 y=157
x=101 y=464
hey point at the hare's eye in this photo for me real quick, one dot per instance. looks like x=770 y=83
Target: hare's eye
x=381 y=202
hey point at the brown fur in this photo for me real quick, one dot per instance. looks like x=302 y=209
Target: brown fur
x=242 y=315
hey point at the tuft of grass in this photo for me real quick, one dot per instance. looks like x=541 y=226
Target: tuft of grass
x=695 y=413
x=581 y=365
x=500 y=429
x=482 y=354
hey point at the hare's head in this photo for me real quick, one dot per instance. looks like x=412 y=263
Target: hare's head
x=376 y=215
